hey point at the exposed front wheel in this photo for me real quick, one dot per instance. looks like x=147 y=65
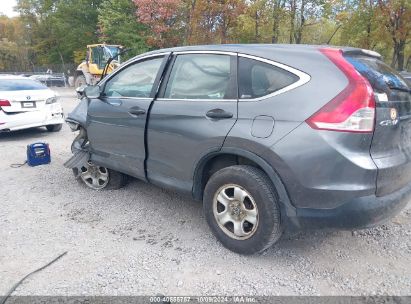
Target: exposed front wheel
x=97 y=177
x=241 y=208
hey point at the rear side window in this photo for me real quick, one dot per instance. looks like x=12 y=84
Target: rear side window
x=20 y=85
x=378 y=73
x=257 y=79
x=201 y=76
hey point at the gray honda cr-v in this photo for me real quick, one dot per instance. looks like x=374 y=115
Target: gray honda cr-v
x=268 y=137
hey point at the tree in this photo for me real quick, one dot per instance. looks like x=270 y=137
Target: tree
x=303 y=13
x=396 y=16
x=58 y=28
x=74 y=25
x=277 y=9
x=213 y=21
x=257 y=9
x=57 y=31
x=162 y=19
x=118 y=25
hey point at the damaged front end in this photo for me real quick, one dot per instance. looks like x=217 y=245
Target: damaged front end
x=77 y=120
x=78 y=117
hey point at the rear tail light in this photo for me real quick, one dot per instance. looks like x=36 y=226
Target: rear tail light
x=4 y=103
x=51 y=100
x=353 y=109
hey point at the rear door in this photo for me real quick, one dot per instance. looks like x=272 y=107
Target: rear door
x=391 y=144
x=197 y=109
x=117 y=120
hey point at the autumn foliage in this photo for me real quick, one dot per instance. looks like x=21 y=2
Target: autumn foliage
x=172 y=22
x=161 y=17
x=53 y=32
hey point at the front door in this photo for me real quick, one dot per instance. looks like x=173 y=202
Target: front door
x=197 y=109
x=117 y=120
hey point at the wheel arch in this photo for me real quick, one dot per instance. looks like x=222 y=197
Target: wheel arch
x=226 y=157
x=78 y=73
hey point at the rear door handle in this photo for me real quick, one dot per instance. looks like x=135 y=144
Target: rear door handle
x=219 y=114
x=137 y=111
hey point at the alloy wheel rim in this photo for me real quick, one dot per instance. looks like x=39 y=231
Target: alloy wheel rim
x=95 y=177
x=235 y=211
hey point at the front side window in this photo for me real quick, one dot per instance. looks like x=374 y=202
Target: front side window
x=136 y=80
x=201 y=76
x=257 y=79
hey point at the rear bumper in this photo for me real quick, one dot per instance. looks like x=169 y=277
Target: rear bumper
x=51 y=114
x=363 y=212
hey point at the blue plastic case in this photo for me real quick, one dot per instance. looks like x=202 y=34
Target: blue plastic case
x=38 y=154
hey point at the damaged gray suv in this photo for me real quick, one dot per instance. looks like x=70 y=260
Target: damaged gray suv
x=268 y=137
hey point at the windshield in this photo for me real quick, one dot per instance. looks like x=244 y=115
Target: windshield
x=20 y=85
x=113 y=51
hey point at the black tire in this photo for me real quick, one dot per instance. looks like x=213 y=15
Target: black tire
x=54 y=128
x=116 y=180
x=80 y=81
x=255 y=182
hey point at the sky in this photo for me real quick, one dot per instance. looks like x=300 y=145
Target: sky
x=6 y=7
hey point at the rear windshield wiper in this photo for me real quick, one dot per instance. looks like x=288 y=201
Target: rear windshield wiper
x=400 y=89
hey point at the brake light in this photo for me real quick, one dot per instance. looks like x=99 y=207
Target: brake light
x=353 y=109
x=4 y=103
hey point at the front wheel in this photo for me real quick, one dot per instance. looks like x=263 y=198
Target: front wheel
x=241 y=207
x=98 y=178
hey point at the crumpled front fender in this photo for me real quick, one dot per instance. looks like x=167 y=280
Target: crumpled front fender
x=79 y=114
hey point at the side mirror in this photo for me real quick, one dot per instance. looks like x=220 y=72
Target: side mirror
x=92 y=92
x=80 y=91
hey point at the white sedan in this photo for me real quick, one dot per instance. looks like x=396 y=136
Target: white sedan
x=26 y=103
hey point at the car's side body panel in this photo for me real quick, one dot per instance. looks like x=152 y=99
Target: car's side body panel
x=115 y=128
x=317 y=173
x=324 y=169
x=118 y=136
x=179 y=131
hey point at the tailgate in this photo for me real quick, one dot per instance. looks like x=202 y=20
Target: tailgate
x=391 y=144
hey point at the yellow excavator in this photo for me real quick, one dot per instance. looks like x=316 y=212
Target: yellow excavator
x=89 y=72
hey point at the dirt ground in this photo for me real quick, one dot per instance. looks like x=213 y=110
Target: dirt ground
x=143 y=240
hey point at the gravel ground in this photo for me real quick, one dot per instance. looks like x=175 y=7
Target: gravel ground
x=143 y=240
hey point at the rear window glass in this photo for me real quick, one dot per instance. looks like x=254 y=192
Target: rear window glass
x=257 y=79
x=379 y=74
x=20 y=85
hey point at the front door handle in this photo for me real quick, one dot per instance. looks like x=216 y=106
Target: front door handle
x=137 y=111
x=219 y=114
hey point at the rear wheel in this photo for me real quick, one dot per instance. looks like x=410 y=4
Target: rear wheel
x=241 y=208
x=98 y=178
x=54 y=128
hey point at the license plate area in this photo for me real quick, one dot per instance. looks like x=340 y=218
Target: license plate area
x=28 y=104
